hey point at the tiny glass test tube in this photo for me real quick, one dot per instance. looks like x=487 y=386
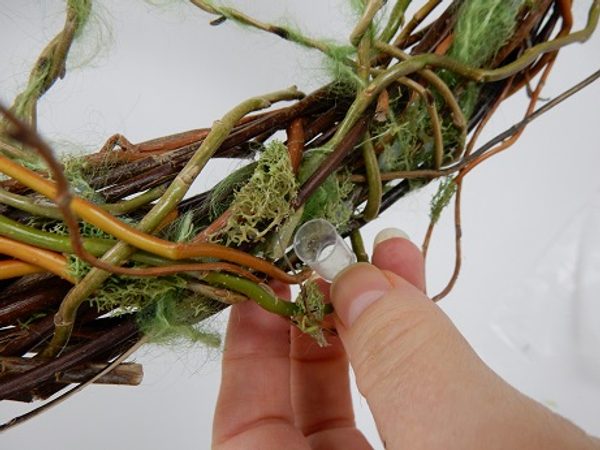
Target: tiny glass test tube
x=318 y=244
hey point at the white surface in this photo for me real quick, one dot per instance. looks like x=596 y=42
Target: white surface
x=164 y=71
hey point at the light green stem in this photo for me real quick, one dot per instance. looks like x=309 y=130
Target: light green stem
x=125 y=206
x=255 y=292
x=366 y=21
x=395 y=20
x=419 y=16
x=358 y=246
x=24 y=203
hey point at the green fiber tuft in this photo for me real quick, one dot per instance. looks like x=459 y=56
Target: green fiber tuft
x=172 y=319
x=483 y=27
x=274 y=182
x=126 y=294
x=81 y=9
x=345 y=76
x=129 y=294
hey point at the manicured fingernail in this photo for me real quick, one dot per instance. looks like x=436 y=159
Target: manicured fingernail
x=355 y=289
x=389 y=233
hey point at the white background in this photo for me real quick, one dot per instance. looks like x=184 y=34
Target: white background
x=162 y=70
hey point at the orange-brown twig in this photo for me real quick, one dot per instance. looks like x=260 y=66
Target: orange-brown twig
x=50 y=261
x=14 y=268
x=295 y=142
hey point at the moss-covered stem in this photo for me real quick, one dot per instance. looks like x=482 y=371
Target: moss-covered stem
x=280 y=31
x=366 y=20
x=217 y=135
x=395 y=20
x=420 y=62
x=51 y=63
x=65 y=317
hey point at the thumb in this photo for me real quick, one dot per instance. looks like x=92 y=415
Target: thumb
x=404 y=350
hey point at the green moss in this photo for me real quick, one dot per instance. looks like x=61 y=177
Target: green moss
x=264 y=202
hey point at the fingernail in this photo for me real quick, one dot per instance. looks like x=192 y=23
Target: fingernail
x=355 y=289
x=389 y=233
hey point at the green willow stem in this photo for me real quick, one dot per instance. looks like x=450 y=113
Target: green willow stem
x=395 y=20
x=65 y=317
x=373 y=175
x=125 y=206
x=419 y=16
x=420 y=62
x=366 y=21
x=9 y=149
x=62 y=244
x=374 y=185
x=358 y=246
x=255 y=292
x=24 y=203
x=48 y=240
x=261 y=296
x=436 y=126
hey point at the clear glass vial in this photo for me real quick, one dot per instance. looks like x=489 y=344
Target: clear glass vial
x=318 y=244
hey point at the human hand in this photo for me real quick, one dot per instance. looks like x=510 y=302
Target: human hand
x=426 y=387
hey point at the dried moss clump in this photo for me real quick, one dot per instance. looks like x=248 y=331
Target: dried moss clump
x=265 y=201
